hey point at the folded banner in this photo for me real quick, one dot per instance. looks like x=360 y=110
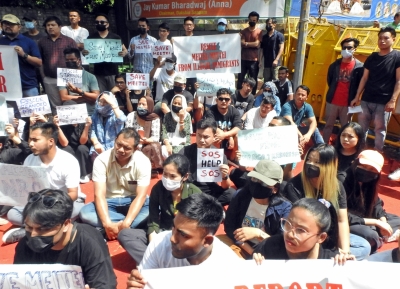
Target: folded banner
x=210 y=53
x=72 y=114
x=10 y=79
x=54 y=276
x=271 y=143
x=103 y=50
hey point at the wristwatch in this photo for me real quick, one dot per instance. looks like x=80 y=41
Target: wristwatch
x=25 y=55
x=82 y=93
x=225 y=178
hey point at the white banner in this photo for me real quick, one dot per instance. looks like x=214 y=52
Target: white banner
x=279 y=143
x=209 y=83
x=210 y=53
x=10 y=79
x=137 y=81
x=162 y=50
x=103 y=50
x=277 y=274
x=208 y=162
x=55 y=276
x=73 y=76
x=38 y=104
x=17 y=181
x=72 y=114
x=4 y=116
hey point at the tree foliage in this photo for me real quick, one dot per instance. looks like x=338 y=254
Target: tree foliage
x=82 y=5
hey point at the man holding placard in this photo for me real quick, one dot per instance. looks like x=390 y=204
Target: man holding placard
x=163 y=46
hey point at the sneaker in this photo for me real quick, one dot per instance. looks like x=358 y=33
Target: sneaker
x=395 y=176
x=3 y=221
x=13 y=235
x=85 y=179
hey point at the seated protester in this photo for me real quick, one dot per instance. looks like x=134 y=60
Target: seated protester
x=284 y=85
x=318 y=180
x=62 y=173
x=90 y=88
x=205 y=134
x=261 y=116
x=127 y=99
x=367 y=216
x=301 y=114
x=243 y=99
x=107 y=122
x=392 y=255
x=309 y=230
x=176 y=127
x=121 y=178
x=228 y=121
x=192 y=240
x=13 y=150
x=254 y=213
x=268 y=89
x=165 y=196
x=147 y=124
x=179 y=88
x=51 y=237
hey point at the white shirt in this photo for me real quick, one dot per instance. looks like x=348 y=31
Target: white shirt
x=158 y=254
x=78 y=35
x=165 y=82
x=254 y=120
x=167 y=42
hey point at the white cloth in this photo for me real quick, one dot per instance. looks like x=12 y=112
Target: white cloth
x=174 y=137
x=334 y=7
x=158 y=254
x=165 y=82
x=254 y=120
x=78 y=35
x=356 y=9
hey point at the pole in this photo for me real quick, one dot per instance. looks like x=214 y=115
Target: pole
x=301 y=43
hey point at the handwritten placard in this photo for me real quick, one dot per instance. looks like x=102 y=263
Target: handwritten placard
x=10 y=78
x=73 y=76
x=38 y=104
x=137 y=81
x=56 y=276
x=162 y=50
x=17 y=181
x=72 y=114
x=208 y=162
x=143 y=45
x=103 y=50
x=209 y=83
x=4 y=118
x=278 y=143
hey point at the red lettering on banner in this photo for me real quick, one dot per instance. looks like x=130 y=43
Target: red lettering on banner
x=295 y=285
x=184 y=67
x=1 y=63
x=241 y=287
x=333 y=286
x=259 y=286
x=275 y=286
x=3 y=87
x=313 y=286
x=208 y=46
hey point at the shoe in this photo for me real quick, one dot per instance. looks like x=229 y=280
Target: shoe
x=13 y=235
x=3 y=221
x=395 y=176
x=85 y=179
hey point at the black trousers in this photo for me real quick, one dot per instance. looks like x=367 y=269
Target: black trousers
x=251 y=68
x=135 y=242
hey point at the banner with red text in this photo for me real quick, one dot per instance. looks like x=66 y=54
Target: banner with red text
x=10 y=79
x=210 y=53
x=277 y=274
x=208 y=8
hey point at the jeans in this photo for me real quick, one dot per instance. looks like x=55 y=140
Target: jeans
x=250 y=67
x=380 y=117
x=332 y=111
x=359 y=247
x=117 y=210
x=316 y=136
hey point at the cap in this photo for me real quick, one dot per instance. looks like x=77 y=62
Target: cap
x=267 y=171
x=11 y=18
x=172 y=58
x=180 y=79
x=371 y=158
x=222 y=20
x=29 y=16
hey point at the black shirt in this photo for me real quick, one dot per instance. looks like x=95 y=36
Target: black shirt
x=14 y=155
x=74 y=133
x=225 y=122
x=241 y=103
x=283 y=90
x=121 y=99
x=270 y=47
x=169 y=95
x=88 y=250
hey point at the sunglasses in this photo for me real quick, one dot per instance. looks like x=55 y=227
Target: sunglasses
x=47 y=201
x=102 y=22
x=223 y=99
x=348 y=47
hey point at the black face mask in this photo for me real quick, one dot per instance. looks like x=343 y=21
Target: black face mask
x=142 y=111
x=39 y=244
x=365 y=176
x=178 y=89
x=269 y=28
x=258 y=191
x=176 y=109
x=311 y=171
x=252 y=24
x=101 y=27
x=72 y=64
x=142 y=30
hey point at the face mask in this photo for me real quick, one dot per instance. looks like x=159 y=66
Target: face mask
x=39 y=244
x=176 y=109
x=72 y=64
x=267 y=93
x=170 y=185
x=221 y=28
x=365 y=176
x=269 y=28
x=347 y=53
x=29 y=25
x=311 y=171
x=258 y=191
x=100 y=27
x=142 y=111
x=142 y=30
x=169 y=65
x=104 y=110
x=252 y=24
x=178 y=89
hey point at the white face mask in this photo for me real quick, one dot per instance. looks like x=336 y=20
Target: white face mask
x=347 y=53
x=170 y=185
x=169 y=65
x=267 y=93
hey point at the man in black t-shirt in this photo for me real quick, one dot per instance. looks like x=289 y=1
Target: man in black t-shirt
x=51 y=238
x=243 y=99
x=179 y=88
x=127 y=99
x=284 y=85
x=381 y=86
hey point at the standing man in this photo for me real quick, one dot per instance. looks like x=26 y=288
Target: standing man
x=284 y=85
x=381 y=86
x=142 y=62
x=272 y=46
x=51 y=48
x=344 y=76
x=163 y=33
x=188 y=26
x=396 y=22
x=250 y=41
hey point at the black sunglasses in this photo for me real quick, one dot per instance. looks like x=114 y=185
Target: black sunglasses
x=47 y=201
x=102 y=22
x=348 y=47
x=224 y=99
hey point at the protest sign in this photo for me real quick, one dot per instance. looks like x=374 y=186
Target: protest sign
x=143 y=45
x=211 y=53
x=103 y=50
x=4 y=117
x=276 y=274
x=162 y=50
x=56 y=276
x=211 y=82
x=208 y=162
x=137 y=81
x=10 y=79
x=271 y=143
x=38 y=104
x=17 y=181
x=72 y=114
x=73 y=76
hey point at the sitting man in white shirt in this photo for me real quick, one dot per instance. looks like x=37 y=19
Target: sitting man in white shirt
x=259 y=117
x=197 y=220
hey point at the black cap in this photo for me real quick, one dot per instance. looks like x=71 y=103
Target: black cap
x=29 y=16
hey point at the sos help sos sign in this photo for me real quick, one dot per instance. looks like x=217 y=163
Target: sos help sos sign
x=208 y=162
